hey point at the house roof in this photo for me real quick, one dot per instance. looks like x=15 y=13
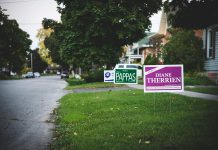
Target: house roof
x=144 y=42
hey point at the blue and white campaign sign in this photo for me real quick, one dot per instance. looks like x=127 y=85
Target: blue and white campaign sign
x=108 y=75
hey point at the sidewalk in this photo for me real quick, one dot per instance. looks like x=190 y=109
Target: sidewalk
x=185 y=93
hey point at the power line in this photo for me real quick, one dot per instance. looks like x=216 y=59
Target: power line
x=29 y=23
x=21 y=1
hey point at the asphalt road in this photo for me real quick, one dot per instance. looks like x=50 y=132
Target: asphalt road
x=25 y=107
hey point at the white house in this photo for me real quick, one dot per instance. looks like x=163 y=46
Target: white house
x=210 y=39
x=136 y=53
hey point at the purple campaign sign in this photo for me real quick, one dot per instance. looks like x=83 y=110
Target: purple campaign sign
x=163 y=78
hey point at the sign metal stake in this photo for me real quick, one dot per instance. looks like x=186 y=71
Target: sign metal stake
x=154 y=96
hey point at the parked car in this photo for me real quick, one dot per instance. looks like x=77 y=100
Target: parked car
x=64 y=74
x=37 y=74
x=29 y=75
x=130 y=66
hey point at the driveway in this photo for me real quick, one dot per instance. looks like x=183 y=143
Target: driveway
x=25 y=107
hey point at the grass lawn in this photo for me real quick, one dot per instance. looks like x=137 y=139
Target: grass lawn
x=130 y=119
x=77 y=84
x=140 y=81
x=210 y=90
x=200 y=80
x=48 y=74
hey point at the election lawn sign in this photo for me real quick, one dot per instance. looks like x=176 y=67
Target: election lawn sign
x=126 y=76
x=163 y=78
x=108 y=75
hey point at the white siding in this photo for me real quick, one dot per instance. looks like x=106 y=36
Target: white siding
x=212 y=64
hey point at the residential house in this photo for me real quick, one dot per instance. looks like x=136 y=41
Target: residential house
x=135 y=53
x=210 y=43
x=140 y=50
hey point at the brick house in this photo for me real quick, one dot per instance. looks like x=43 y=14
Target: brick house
x=209 y=37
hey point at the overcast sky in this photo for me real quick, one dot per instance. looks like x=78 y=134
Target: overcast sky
x=29 y=15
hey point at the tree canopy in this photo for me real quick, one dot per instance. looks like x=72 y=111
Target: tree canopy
x=192 y=14
x=49 y=23
x=42 y=34
x=93 y=32
x=39 y=65
x=184 y=48
x=53 y=41
x=14 y=44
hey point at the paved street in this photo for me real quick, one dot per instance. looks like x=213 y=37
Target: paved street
x=25 y=107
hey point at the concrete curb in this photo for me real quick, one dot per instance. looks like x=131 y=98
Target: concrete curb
x=88 y=90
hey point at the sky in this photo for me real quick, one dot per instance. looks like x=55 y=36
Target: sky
x=30 y=13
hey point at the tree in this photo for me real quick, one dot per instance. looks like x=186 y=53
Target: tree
x=42 y=34
x=94 y=31
x=39 y=65
x=184 y=48
x=192 y=14
x=49 y=23
x=52 y=42
x=14 y=44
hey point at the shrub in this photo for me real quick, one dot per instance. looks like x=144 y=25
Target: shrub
x=151 y=60
x=94 y=76
x=73 y=81
x=196 y=79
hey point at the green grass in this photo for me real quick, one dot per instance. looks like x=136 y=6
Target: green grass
x=140 y=81
x=78 y=84
x=48 y=74
x=129 y=120
x=198 y=80
x=210 y=90
x=16 y=78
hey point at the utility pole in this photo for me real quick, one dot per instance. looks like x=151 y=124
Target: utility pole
x=31 y=54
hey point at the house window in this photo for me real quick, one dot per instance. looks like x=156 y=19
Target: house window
x=211 y=42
